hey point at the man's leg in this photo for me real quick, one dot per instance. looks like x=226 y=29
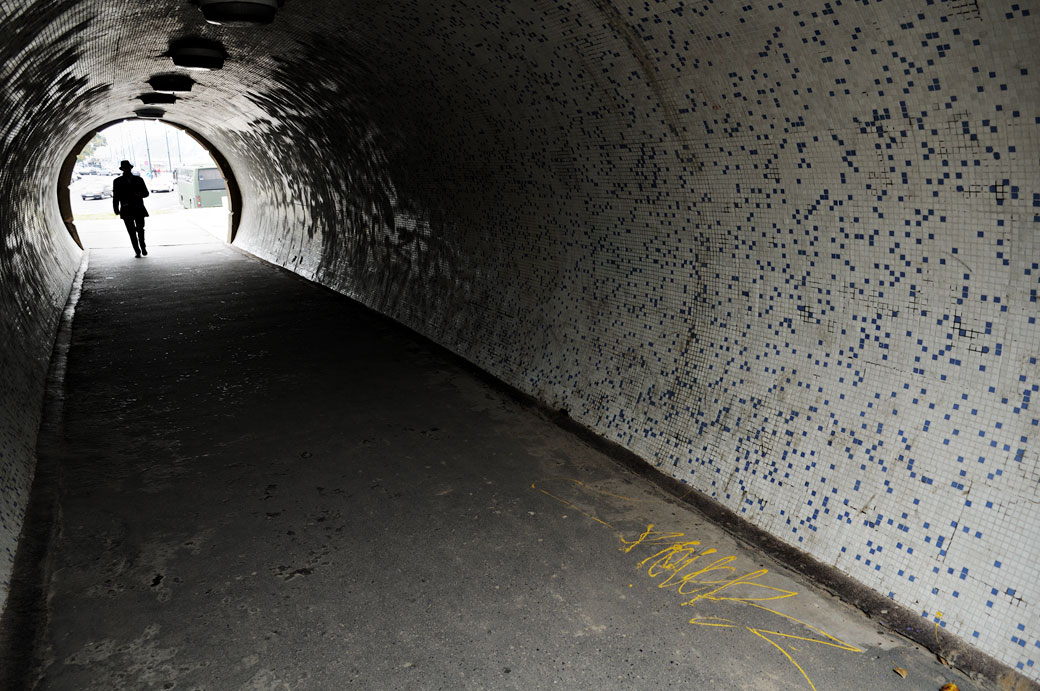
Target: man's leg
x=132 y=230
x=140 y=235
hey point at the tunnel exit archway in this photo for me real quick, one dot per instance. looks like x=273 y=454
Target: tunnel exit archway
x=173 y=169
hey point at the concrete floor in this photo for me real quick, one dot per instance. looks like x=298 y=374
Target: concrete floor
x=264 y=486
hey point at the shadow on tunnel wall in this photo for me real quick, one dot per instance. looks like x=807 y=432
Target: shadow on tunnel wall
x=42 y=101
x=352 y=171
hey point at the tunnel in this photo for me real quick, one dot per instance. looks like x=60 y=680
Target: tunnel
x=784 y=256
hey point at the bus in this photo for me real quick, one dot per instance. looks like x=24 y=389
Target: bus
x=200 y=186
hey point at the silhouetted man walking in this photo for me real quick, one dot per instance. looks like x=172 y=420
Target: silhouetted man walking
x=128 y=193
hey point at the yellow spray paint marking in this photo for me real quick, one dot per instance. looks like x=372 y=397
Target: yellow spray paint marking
x=713 y=621
x=786 y=654
x=649 y=535
x=567 y=503
x=712 y=581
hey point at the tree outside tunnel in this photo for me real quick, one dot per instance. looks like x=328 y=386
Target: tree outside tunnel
x=97 y=142
x=189 y=200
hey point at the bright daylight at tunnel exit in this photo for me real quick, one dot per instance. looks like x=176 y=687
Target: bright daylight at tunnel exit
x=519 y=345
x=188 y=198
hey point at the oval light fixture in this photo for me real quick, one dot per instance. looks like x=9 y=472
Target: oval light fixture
x=171 y=82
x=239 y=12
x=150 y=113
x=197 y=54
x=156 y=97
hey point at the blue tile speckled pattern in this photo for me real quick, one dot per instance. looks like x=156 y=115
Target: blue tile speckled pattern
x=796 y=267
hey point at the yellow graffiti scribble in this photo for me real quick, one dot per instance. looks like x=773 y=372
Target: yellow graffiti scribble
x=579 y=483
x=594 y=490
x=677 y=562
x=712 y=621
x=567 y=503
x=746 y=579
x=649 y=535
x=680 y=555
x=835 y=642
x=786 y=654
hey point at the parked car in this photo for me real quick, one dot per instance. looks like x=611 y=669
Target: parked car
x=161 y=183
x=97 y=189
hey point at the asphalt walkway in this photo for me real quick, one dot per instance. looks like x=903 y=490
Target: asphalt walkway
x=265 y=486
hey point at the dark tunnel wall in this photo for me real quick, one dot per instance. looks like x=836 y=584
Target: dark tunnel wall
x=38 y=259
x=787 y=253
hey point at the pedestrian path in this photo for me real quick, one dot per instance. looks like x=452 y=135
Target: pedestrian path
x=265 y=486
x=167 y=227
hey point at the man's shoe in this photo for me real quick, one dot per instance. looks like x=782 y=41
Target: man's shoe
x=138 y=255
x=144 y=252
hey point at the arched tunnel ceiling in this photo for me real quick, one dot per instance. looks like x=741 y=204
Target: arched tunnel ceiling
x=786 y=252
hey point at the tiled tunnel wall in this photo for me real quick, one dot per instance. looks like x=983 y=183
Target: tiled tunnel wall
x=37 y=264
x=787 y=252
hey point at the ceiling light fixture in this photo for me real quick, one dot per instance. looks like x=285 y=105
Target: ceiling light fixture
x=197 y=54
x=156 y=97
x=171 y=82
x=150 y=113
x=239 y=12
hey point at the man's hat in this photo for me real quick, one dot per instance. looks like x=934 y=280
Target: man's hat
x=125 y=165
